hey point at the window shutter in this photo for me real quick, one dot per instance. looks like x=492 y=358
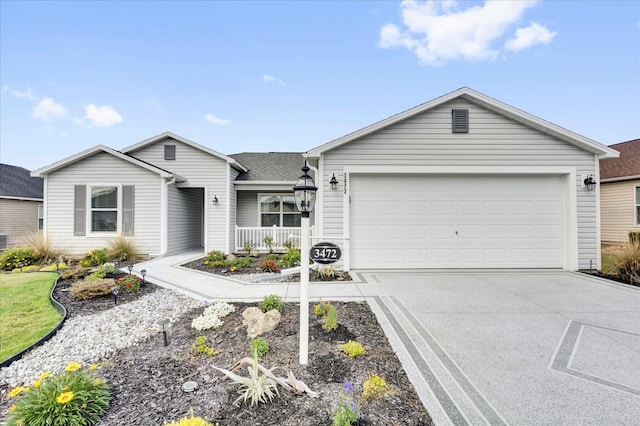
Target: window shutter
x=127 y=209
x=460 y=120
x=4 y=241
x=169 y=152
x=80 y=211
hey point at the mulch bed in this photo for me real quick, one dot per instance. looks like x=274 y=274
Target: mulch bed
x=611 y=277
x=146 y=379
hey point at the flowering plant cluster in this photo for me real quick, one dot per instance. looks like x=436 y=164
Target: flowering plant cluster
x=346 y=411
x=211 y=317
x=129 y=284
x=73 y=397
x=190 y=421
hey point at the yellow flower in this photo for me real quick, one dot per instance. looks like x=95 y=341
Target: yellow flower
x=13 y=408
x=37 y=384
x=44 y=375
x=15 y=391
x=27 y=389
x=64 y=397
x=73 y=366
x=96 y=382
x=93 y=367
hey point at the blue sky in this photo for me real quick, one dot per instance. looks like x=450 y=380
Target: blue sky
x=288 y=76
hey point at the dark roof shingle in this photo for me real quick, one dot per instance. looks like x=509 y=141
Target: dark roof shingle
x=17 y=182
x=628 y=164
x=270 y=166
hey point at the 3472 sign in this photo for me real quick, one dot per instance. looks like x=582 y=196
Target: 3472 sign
x=325 y=253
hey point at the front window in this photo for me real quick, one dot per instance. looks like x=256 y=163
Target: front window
x=637 y=205
x=279 y=210
x=40 y=217
x=104 y=209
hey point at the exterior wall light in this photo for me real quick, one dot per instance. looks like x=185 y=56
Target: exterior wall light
x=305 y=195
x=590 y=183
x=215 y=200
x=333 y=182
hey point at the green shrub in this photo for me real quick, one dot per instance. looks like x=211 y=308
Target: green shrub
x=74 y=397
x=102 y=271
x=123 y=249
x=271 y=302
x=95 y=257
x=200 y=347
x=272 y=256
x=268 y=241
x=259 y=347
x=290 y=258
x=241 y=262
x=628 y=265
x=374 y=387
x=97 y=275
x=329 y=315
x=215 y=259
x=10 y=258
x=352 y=349
x=129 y=284
x=90 y=288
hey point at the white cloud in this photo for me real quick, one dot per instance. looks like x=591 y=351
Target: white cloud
x=529 y=36
x=215 y=120
x=102 y=116
x=437 y=32
x=27 y=94
x=271 y=79
x=47 y=109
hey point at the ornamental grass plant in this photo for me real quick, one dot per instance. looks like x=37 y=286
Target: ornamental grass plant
x=74 y=397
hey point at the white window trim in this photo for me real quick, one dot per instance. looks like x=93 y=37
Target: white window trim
x=40 y=216
x=636 y=204
x=99 y=234
x=275 y=194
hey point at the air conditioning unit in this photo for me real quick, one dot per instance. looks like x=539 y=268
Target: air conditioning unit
x=4 y=240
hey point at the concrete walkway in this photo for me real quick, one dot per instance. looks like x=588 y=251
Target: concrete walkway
x=484 y=347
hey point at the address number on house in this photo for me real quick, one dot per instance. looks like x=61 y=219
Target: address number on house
x=325 y=253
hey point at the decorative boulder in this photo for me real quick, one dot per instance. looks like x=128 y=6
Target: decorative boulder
x=258 y=322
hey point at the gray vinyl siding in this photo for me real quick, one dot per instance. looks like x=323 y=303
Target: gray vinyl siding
x=103 y=169
x=18 y=219
x=617 y=210
x=493 y=140
x=185 y=218
x=247 y=210
x=202 y=170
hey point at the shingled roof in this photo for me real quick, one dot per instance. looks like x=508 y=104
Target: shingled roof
x=16 y=182
x=270 y=166
x=627 y=165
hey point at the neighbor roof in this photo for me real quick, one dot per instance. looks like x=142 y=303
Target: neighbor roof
x=16 y=182
x=485 y=102
x=627 y=166
x=270 y=166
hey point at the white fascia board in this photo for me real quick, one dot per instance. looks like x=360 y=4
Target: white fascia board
x=267 y=186
x=471 y=170
x=185 y=141
x=95 y=150
x=620 y=179
x=486 y=102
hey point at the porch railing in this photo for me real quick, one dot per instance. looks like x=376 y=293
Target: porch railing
x=255 y=237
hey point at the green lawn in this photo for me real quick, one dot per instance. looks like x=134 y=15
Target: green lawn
x=26 y=314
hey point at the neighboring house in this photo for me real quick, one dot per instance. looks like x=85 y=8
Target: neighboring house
x=463 y=181
x=21 y=208
x=620 y=193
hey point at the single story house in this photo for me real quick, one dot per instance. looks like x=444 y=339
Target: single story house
x=21 y=207
x=620 y=193
x=462 y=181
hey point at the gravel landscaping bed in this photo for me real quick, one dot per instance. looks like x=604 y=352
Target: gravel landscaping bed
x=146 y=377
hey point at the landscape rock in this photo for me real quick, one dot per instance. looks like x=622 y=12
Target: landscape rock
x=259 y=322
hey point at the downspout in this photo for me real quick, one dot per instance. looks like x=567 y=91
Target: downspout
x=164 y=221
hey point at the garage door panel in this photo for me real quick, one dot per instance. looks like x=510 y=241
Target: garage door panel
x=428 y=221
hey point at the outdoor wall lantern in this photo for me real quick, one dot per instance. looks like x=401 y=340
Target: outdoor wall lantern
x=590 y=183
x=215 y=200
x=333 y=182
x=115 y=290
x=143 y=273
x=162 y=324
x=305 y=195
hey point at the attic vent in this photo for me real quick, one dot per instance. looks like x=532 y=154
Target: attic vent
x=169 y=152
x=460 y=120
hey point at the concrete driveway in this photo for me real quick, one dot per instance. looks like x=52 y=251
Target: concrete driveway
x=518 y=348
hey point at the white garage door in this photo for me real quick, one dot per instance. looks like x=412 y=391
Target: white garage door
x=426 y=221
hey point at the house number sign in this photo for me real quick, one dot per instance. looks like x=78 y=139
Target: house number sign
x=325 y=253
